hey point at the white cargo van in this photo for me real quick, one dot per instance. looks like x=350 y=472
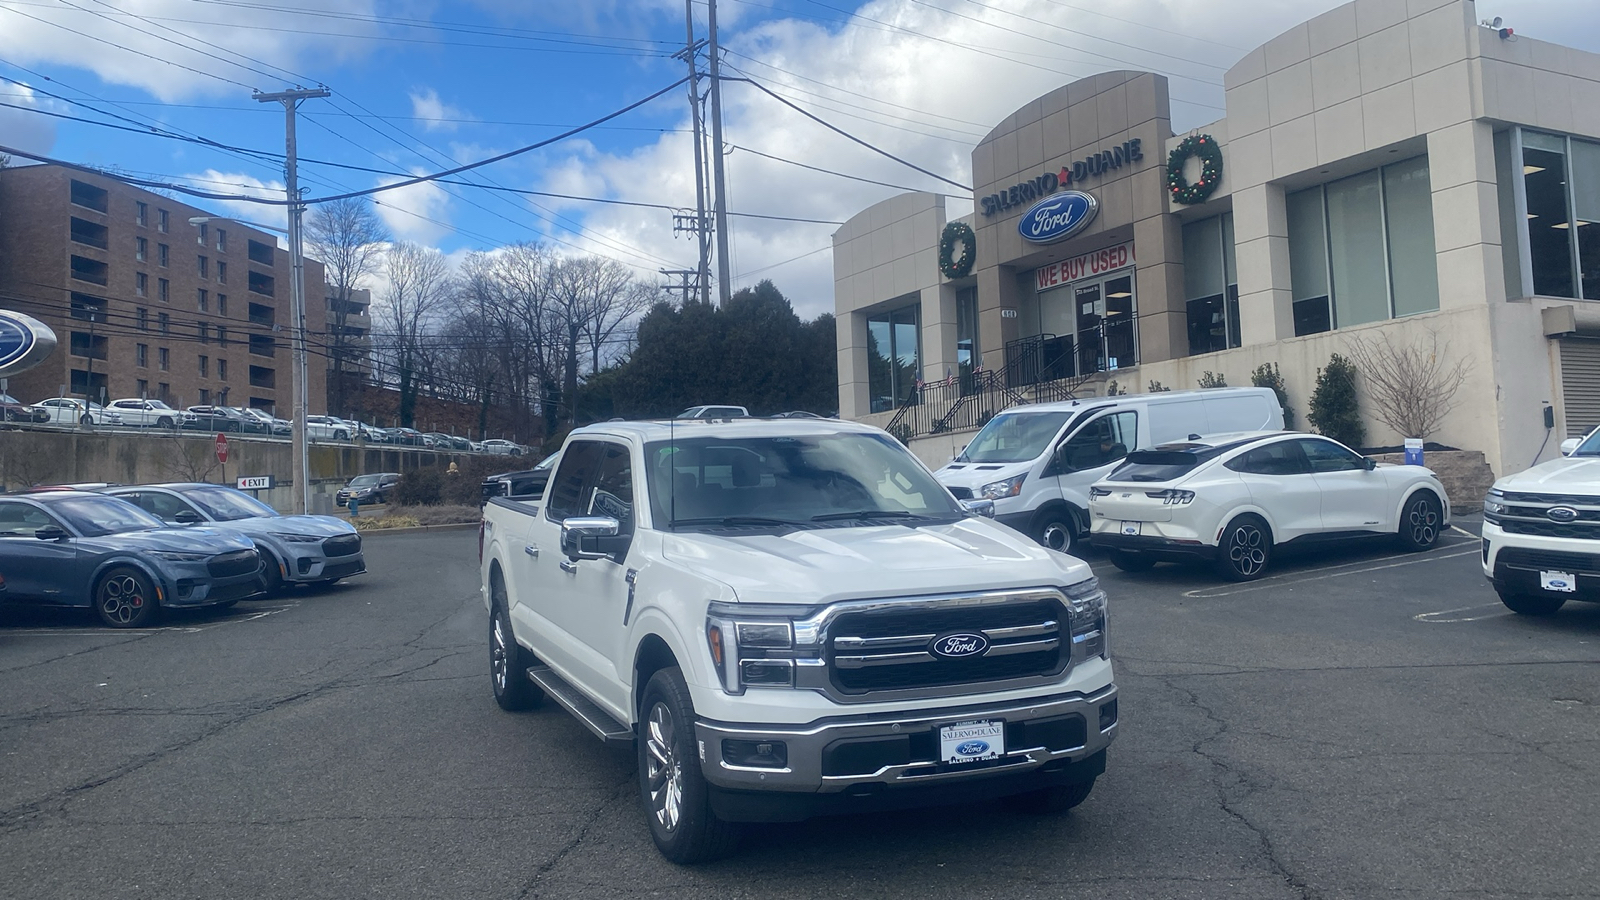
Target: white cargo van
x=1037 y=462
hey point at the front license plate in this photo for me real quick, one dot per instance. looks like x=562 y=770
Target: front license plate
x=1561 y=582
x=1131 y=527
x=968 y=742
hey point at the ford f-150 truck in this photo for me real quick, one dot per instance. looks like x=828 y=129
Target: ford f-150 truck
x=792 y=617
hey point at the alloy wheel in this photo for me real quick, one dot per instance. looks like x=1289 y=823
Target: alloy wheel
x=121 y=598
x=1424 y=521
x=498 y=665
x=664 y=774
x=1247 y=552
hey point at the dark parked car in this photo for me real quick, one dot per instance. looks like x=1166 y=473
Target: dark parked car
x=294 y=549
x=13 y=411
x=527 y=483
x=409 y=437
x=374 y=488
x=75 y=548
x=218 y=418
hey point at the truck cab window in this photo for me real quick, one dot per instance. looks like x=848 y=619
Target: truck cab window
x=568 y=487
x=612 y=494
x=1101 y=442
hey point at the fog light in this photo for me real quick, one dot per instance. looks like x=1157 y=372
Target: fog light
x=756 y=754
x=770 y=672
x=303 y=564
x=1108 y=715
x=185 y=587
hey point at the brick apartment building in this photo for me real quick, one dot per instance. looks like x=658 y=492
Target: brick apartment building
x=145 y=303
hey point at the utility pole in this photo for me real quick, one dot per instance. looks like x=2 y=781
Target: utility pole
x=702 y=235
x=297 y=286
x=724 y=277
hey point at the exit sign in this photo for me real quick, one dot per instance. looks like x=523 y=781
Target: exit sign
x=255 y=483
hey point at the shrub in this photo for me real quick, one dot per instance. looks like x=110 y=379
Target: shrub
x=1335 y=408
x=1157 y=387
x=420 y=487
x=1213 y=380
x=1267 y=375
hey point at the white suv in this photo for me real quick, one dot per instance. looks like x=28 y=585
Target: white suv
x=149 y=413
x=1541 y=532
x=1230 y=499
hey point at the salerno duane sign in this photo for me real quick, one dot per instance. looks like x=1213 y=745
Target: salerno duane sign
x=1019 y=195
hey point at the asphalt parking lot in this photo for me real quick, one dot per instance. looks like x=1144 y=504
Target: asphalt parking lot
x=1361 y=724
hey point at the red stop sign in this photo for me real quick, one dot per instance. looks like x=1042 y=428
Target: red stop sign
x=222 y=448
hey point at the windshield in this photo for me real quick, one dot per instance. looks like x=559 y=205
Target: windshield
x=1014 y=437
x=791 y=480
x=363 y=480
x=226 y=504
x=157 y=404
x=97 y=516
x=7 y=398
x=1590 y=445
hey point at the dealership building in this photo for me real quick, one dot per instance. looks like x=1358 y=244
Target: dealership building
x=1392 y=170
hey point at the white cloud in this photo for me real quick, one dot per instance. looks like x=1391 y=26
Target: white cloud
x=436 y=115
x=24 y=130
x=417 y=212
x=257 y=214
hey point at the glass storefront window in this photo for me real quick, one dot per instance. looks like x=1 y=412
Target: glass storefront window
x=1544 y=173
x=1361 y=249
x=894 y=357
x=967 y=344
x=1211 y=285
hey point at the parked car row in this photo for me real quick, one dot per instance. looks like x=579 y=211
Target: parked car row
x=130 y=551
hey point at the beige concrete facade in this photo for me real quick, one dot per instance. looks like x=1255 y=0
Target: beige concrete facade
x=1367 y=85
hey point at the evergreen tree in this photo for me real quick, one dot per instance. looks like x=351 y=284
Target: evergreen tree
x=1267 y=375
x=1334 y=405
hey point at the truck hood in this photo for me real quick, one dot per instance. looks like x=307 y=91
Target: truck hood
x=817 y=566
x=1568 y=475
x=973 y=475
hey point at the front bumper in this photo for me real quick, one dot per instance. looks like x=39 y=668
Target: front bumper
x=1513 y=562
x=859 y=763
x=192 y=586
x=307 y=563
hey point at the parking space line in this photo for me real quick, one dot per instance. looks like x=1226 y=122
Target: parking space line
x=139 y=632
x=1297 y=578
x=1430 y=617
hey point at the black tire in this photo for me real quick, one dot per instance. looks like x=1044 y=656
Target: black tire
x=1532 y=604
x=125 y=598
x=1246 y=548
x=271 y=576
x=677 y=799
x=164 y=422
x=508 y=662
x=1056 y=528
x=341 y=435
x=85 y=419
x=1421 y=522
x=1132 y=561
x=516 y=452
x=1054 y=799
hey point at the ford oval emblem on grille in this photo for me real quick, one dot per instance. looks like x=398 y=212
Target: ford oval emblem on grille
x=959 y=646
x=1561 y=513
x=973 y=748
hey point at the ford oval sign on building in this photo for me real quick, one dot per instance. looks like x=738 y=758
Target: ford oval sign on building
x=1058 y=217
x=24 y=342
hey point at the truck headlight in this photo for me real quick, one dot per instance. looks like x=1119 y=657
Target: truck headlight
x=999 y=490
x=1494 y=503
x=1086 y=614
x=753 y=646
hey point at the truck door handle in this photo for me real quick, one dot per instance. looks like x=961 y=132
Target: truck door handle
x=569 y=567
x=531 y=550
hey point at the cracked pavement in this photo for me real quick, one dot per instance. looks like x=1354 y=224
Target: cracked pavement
x=1309 y=737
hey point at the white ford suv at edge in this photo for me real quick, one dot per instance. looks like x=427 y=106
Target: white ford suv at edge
x=1541 y=532
x=1232 y=498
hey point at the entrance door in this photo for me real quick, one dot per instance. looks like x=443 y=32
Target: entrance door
x=1122 y=343
x=1091 y=317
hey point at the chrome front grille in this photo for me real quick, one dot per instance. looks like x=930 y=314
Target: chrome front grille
x=1577 y=517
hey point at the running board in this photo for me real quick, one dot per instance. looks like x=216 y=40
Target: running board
x=585 y=710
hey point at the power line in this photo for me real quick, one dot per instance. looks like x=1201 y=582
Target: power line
x=899 y=187
x=127 y=49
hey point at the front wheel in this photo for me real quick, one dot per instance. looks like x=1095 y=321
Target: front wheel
x=1056 y=529
x=126 y=599
x=164 y=422
x=1532 y=604
x=85 y=420
x=1054 y=799
x=1246 y=549
x=271 y=576
x=676 y=797
x=1422 y=521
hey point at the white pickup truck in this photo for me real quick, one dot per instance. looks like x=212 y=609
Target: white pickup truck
x=1541 y=531
x=789 y=618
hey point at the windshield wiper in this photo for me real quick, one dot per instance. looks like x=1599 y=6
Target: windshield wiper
x=867 y=514
x=736 y=520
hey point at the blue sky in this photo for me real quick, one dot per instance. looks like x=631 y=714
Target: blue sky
x=419 y=84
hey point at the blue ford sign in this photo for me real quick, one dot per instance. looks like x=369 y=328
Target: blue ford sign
x=24 y=342
x=973 y=748
x=1057 y=217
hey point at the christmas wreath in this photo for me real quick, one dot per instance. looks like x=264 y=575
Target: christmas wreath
x=1205 y=147
x=949 y=264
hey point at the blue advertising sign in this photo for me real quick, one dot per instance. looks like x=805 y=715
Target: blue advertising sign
x=24 y=342
x=1057 y=217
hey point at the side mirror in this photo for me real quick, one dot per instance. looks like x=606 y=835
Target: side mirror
x=1570 y=446
x=187 y=517
x=1369 y=463
x=984 y=508
x=581 y=536
x=51 y=533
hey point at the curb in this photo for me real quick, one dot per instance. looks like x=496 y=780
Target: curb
x=416 y=529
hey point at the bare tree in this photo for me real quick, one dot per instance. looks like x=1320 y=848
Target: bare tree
x=187 y=459
x=610 y=310
x=419 y=282
x=1413 y=385
x=349 y=239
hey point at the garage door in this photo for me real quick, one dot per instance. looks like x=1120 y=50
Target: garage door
x=1580 y=384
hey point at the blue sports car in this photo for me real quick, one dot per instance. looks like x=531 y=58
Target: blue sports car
x=76 y=548
x=294 y=549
